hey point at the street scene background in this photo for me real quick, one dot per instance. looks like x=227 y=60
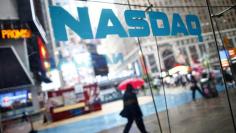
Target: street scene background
x=51 y=86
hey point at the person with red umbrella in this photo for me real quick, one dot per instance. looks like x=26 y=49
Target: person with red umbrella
x=132 y=110
x=137 y=83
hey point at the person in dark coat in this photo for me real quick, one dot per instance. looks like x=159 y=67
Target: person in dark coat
x=132 y=110
x=228 y=77
x=194 y=87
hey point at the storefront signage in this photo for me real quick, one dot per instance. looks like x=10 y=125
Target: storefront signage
x=15 y=33
x=136 y=20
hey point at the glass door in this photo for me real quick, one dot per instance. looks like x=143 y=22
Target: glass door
x=168 y=45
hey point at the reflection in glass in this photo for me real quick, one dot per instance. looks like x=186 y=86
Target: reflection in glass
x=183 y=87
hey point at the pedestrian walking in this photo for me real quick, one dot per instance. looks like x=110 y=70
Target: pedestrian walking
x=228 y=77
x=47 y=108
x=212 y=85
x=194 y=87
x=132 y=110
x=27 y=118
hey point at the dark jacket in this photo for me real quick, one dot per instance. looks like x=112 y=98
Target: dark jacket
x=227 y=76
x=131 y=105
x=193 y=80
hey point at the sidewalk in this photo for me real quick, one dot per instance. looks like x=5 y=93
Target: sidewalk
x=202 y=116
x=108 y=108
x=185 y=116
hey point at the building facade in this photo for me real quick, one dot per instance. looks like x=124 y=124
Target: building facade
x=24 y=56
x=178 y=49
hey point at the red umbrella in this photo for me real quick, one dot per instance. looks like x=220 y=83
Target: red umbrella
x=135 y=82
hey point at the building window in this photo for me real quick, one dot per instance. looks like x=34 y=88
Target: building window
x=193 y=52
x=152 y=63
x=202 y=49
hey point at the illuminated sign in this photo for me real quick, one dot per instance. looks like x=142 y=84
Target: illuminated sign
x=136 y=21
x=43 y=53
x=15 y=33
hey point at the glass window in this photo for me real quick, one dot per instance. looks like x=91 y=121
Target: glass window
x=152 y=63
x=121 y=61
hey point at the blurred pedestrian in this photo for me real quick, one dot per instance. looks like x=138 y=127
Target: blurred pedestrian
x=183 y=80
x=47 y=110
x=194 y=87
x=132 y=110
x=228 y=77
x=212 y=85
x=27 y=118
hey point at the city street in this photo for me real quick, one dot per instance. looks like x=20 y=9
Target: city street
x=202 y=116
x=79 y=66
x=182 y=110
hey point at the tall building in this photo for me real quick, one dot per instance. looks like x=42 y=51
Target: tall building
x=172 y=50
x=179 y=49
x=24 y=56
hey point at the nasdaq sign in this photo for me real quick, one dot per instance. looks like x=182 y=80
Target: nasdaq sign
x=136 y=20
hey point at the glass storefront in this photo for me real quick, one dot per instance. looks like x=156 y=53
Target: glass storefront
x=183 y=50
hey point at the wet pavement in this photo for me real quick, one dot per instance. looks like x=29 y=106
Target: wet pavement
x=200 y=116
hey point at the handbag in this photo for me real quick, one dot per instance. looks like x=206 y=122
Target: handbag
x=123 y=113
